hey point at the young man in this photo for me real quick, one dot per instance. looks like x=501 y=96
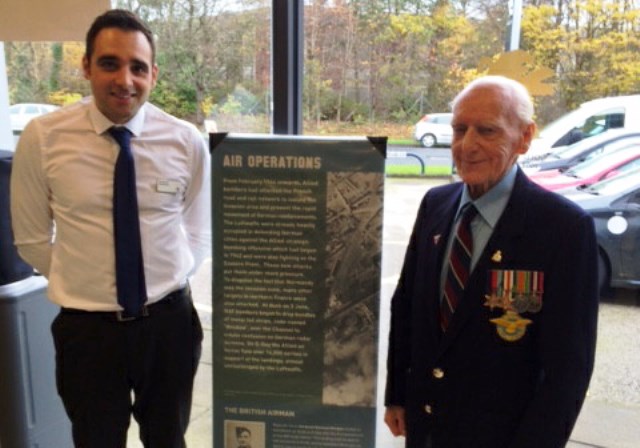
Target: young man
x=493 y=323
x=127 y=338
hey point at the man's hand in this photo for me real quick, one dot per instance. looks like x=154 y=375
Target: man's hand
x=394 y=418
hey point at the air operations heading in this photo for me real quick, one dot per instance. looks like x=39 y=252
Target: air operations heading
x=258 y=161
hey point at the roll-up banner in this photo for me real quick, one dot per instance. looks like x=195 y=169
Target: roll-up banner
x=297 y=225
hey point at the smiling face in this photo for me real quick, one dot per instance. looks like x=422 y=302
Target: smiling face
x=121 y=73
x=488 y=137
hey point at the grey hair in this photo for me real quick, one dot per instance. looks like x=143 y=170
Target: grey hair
x=522 y=102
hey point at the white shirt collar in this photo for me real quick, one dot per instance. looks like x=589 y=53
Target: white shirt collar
x=491 y=204
x=101 y=124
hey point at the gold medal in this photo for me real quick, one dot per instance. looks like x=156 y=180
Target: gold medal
x=511 y=326
x=515 y=292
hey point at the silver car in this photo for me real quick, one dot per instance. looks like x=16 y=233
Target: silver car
x=22 y=113
x=434 y=129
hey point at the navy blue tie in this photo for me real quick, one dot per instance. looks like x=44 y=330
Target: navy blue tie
x=130 y=283
x=459 y=266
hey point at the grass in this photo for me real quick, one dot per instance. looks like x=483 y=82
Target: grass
x=401 y=142
x=414 y=170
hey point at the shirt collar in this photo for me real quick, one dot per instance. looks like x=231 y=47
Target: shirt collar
x=491 y=204
x=101 y=124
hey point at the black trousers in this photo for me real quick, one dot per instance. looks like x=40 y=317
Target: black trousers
x=107 y=370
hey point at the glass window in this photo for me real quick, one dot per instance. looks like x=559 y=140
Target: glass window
x=214 y=63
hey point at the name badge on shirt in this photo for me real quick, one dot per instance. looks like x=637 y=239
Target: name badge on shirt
x=168 y=186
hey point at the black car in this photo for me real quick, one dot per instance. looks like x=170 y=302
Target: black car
x=565 y=157
x=615 y=206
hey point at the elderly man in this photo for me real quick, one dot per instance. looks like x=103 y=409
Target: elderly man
x=493 y=323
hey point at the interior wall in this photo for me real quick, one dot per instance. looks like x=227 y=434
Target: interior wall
x=48 y=20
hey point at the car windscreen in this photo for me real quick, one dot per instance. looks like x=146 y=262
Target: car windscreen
x=595 y=165
x=615 y=185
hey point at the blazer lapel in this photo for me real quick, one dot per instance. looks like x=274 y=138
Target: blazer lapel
x=434 y=248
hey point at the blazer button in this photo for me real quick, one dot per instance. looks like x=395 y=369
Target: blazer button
x=438 y=373
x=428 y=409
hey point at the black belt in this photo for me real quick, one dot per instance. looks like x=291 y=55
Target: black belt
x=173 y=297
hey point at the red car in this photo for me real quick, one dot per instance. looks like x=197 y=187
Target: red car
x=590 y=171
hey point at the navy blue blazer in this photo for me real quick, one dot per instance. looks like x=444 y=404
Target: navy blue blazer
x=471 y=386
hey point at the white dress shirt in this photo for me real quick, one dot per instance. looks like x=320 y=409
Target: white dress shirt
x=61 y=202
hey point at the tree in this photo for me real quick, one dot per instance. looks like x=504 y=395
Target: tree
x=204 y=49
x=365 y=60
x=592 y=45
x=29 y=67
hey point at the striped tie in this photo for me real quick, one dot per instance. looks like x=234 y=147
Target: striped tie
x=458 y=266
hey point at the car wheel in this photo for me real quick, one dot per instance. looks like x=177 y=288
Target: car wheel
x=428 y=140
